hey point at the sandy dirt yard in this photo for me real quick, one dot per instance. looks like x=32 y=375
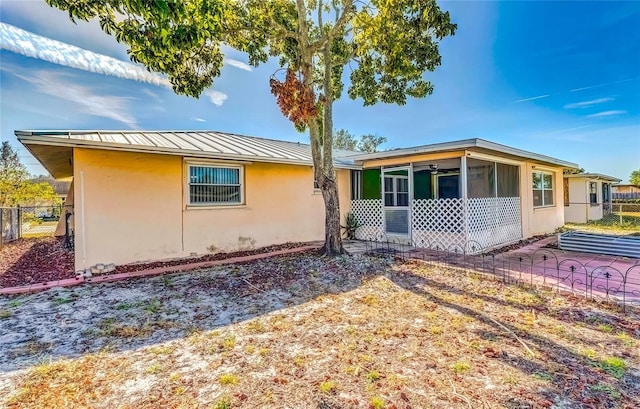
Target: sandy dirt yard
x=304 y=331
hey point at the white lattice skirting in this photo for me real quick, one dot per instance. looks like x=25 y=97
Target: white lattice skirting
x=494 y=221
x=368 y=213
x=441 y=223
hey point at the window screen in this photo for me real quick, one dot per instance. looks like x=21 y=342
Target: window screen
x=214 y=185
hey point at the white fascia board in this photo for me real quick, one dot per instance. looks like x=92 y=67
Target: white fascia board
x=465 y=144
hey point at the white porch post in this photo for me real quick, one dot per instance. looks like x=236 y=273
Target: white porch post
x=411 y=197
x=465 y=202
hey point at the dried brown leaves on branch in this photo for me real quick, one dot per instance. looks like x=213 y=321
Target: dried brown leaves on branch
x=296 y=101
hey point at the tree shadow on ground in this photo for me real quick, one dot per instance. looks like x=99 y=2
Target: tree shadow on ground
x=575 y=377
x=134 y=314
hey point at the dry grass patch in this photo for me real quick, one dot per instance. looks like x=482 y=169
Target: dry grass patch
x=367 y=333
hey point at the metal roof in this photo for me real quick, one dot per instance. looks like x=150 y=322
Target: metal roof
x=594 y=176
x=54 y=148
x=476 y=143
x=207 y=144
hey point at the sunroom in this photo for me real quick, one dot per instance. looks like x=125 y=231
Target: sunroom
x=464 y=196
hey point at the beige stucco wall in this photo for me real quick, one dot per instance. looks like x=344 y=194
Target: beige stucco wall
x=541 y=220
x=595 y=212
x=577 y=211
x=132 y=207
x=580 y=209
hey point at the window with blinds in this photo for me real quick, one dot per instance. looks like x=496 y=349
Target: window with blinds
x=215 y=185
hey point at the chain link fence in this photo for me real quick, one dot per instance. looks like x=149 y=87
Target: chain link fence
x=36 y=221
x=623 y=214
x=9 y=225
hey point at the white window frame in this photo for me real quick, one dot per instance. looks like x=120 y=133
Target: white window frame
x=192 y=164
x=395 y=190
x=542 y=189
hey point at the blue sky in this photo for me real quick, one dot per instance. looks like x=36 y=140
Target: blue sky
x=556 y=78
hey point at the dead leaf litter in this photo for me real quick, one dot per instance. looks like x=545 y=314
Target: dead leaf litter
x=303 y=331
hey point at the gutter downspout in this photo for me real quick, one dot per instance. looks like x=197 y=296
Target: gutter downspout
x=84 y=240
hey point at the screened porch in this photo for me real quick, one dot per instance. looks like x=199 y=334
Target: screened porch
x=464 y=202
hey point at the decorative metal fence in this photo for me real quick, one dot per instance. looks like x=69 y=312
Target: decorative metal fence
x=618 y=282
x=447 y=222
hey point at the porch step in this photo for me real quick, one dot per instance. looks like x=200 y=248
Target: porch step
x=627 y=246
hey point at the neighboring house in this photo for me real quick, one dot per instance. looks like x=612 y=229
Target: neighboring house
x=587 y=196
x=141 y=196
x=60 y=187
x=626 y=191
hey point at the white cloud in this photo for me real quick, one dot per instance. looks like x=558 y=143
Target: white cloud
x=199 y=119
x=55 y=23
x=586 y=104
x=84 y=98
x=532 y=98
x=238 y=64
x=216 y=97
x=32 y=45
x=607 y=113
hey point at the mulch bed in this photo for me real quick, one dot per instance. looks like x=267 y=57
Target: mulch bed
x=35 y=260
x=519 y=244
x=128 y=268
x=38 y=260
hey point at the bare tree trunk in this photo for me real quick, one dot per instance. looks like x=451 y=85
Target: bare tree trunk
x=332 y=237
x=322 y=139
x=329 y=189
x=329 y=186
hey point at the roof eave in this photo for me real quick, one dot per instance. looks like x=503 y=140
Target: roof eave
x=27 y=137
x=597 y=176
x=465 y=144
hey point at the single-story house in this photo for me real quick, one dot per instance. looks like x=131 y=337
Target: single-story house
x=151 y=195
x=587 y=196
